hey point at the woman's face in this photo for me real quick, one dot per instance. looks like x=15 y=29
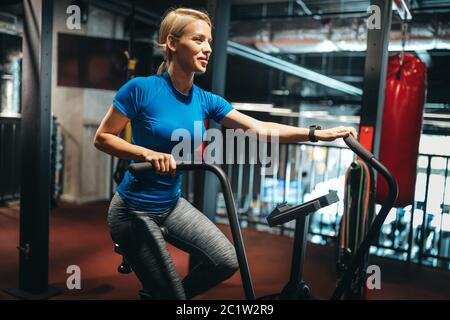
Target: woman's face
x=193 y=49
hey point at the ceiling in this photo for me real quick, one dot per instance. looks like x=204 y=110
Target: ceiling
x=345 y=5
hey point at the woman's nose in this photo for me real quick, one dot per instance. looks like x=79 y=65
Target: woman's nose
x=207 y=48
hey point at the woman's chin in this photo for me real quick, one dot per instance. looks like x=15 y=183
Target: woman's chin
x=200 y=70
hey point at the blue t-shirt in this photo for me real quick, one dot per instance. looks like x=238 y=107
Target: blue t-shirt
x=156 y=108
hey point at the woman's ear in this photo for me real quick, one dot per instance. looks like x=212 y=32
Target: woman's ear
x=171 y=43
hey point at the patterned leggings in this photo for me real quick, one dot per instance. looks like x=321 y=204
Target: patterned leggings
x=140 y=237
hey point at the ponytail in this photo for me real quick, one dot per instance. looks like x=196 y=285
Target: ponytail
x=162 y=67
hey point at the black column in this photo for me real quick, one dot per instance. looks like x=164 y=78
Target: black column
x=35 y=144
x=374 y=89
x=375 y=78
x=206 y=193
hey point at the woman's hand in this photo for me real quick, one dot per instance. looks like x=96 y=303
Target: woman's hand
x=335 y=133
x=162 y=163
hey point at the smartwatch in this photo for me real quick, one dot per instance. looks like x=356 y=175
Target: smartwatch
x=312 y=129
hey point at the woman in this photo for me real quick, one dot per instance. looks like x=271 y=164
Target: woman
x=145 y=210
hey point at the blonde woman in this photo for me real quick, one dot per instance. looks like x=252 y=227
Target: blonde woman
x=143 y=208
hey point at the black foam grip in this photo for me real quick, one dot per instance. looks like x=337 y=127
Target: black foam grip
x=139 y=167
x=358 y=148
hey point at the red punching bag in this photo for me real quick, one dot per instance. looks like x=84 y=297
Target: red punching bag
x=402 y=124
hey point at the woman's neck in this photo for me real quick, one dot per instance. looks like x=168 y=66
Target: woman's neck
x=181 y=80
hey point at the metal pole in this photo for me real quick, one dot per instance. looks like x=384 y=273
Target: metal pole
x=219 y=65
x=299 y=249
x=424 y=226
x=375 y=79
x=375 y=69
x=36 y=117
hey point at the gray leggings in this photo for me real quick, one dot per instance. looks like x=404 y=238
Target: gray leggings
x=139 y=235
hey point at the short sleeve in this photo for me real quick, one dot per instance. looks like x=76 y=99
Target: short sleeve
x=217 y=107
x=128 y=99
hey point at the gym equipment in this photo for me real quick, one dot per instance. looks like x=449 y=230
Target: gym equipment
x=402 y=124
x=354 y=225
x=296 y=288
x=233 y=219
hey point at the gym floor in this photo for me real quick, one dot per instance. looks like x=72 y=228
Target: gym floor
x=79 y=236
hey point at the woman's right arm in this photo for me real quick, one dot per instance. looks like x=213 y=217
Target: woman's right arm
x=107 y=140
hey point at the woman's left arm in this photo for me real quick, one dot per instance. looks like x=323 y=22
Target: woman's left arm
x=286 y=134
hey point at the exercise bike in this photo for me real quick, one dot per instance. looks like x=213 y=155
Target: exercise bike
x=296 y=288
x=137 y=168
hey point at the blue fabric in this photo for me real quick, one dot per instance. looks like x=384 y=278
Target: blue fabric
x=156 y=108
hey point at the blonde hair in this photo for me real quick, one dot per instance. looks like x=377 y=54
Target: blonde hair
x=174 y=23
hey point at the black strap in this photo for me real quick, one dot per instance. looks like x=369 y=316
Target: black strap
x=312 y=129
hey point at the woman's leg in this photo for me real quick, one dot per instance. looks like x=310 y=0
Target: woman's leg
x=191 y=231
x=143 y=245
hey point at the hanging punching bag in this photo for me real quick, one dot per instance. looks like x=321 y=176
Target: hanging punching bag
x=402 y=124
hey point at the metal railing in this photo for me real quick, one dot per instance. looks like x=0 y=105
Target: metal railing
x=306 y=171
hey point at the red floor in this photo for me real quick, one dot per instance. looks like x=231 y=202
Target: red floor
x=79 y=236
